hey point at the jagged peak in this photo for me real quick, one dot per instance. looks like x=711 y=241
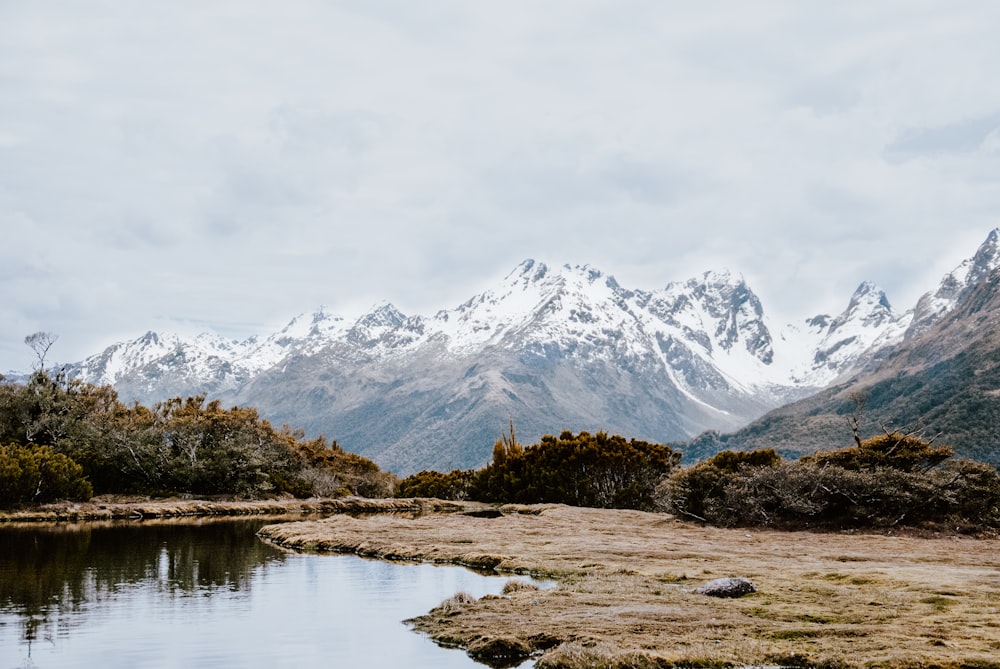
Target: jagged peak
x=322 y=313
x=987 y=257
x=868 y=306
x=868 y=292
x=721 y=275
x=529 y=269
x=956 y=284
x=382 y=314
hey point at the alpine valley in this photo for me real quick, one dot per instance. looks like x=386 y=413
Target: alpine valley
x=553 y=348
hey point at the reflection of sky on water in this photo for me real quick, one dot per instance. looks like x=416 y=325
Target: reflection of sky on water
x=213 y=597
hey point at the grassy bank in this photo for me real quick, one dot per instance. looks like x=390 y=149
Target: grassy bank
x=626 y=579
x=139 y=508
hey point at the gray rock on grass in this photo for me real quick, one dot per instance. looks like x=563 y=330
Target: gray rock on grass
x=727 y=587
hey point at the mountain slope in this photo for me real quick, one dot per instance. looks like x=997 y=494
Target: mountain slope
x=942 y=380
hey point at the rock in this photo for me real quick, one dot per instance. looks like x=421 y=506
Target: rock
x=727 y=587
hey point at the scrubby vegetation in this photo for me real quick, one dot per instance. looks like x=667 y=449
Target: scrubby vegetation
x=596 y=470
x=39 y=474
x=888 y=480
x=64 y=439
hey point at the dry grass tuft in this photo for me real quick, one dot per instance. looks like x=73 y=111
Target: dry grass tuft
x=455 y=603
x=511 y=587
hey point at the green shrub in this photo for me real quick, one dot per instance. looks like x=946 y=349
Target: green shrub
x=594 y=470
x=38 y=474
x=455 y=485
x=892 y=450
x=188 y=445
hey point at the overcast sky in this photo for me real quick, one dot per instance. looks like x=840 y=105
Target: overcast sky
x=226 y=165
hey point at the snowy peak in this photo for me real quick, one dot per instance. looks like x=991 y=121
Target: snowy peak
x=374 y=326
x=868 y=307
x=708 y=333
x=716 y=311
x=320 y=323
x=986 y=260
x=534 y=301
x=955 y=285
x=826 y=348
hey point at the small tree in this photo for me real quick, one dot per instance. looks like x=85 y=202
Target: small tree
x=40 y=343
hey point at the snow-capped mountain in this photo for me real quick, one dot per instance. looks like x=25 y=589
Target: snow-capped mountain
x=824 y=348
x=156 y=366
x=955 y=285
x=550 y=347
x=939 y=379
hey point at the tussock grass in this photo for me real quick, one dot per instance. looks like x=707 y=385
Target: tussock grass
x=511 y=587
x=619 y=601
x=455 y=603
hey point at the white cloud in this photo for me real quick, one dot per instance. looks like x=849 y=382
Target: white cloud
x=234 y=163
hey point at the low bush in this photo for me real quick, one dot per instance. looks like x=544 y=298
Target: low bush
x=455 y=485
x=885 y=481
x=595 y=470
x=36 y=474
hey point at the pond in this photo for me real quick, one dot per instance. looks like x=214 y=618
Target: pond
x=210 y=594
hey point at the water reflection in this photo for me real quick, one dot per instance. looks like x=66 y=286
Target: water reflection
x=48 y=572
x=162 y=594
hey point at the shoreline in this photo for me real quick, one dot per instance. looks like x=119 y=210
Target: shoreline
x=139 y=509
x=626 y=580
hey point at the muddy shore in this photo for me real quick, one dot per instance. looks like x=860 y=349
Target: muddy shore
x=141 y=508
x=626 y=579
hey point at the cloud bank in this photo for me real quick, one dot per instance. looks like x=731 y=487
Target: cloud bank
x=227 y=165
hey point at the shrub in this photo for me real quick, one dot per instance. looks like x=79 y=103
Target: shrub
x=891 y=450
x=887 y=481
x=38 y=474
x=511 y=587
x=594 y=470
x=455 y=485
x=699 y=491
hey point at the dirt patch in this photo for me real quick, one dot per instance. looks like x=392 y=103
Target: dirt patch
x=626 y=580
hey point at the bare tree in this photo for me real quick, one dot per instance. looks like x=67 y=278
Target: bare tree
x=40 y=343
x=860 y=398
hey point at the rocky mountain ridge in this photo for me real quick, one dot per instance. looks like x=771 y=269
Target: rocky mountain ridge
x=550 y=347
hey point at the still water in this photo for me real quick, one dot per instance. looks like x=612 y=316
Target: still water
x=210 y=594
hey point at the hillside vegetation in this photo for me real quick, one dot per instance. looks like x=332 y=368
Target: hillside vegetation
x=65 y=439
x=889 y=480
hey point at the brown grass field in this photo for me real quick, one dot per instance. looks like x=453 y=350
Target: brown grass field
x=625 y=580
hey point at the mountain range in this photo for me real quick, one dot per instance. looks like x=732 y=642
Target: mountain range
x=549 y=347
x=942 y=381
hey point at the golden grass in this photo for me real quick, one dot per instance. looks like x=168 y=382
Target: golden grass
x=626 y=579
